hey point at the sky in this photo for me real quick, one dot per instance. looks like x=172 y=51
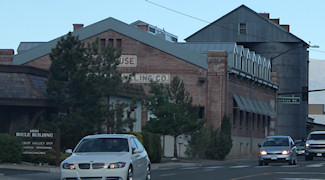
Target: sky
x=44 y=20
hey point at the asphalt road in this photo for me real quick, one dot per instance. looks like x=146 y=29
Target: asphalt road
x=247 y=170
x=232 y=170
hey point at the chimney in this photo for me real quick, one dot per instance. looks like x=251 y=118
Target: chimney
x=6 y=56
x=285 y=26
x=143 y=26
x=276 y=21
x=266 y=15
x=77 y=26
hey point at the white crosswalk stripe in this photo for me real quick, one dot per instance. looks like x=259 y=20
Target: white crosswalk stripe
x=240 y=166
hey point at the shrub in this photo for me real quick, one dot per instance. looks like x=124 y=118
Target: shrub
x=152 y=143
x=210 y=143
x=11 y=148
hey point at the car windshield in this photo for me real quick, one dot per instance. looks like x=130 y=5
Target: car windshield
x=103 y=145
x=300 y=143
x=317 y=137
x=276 y=142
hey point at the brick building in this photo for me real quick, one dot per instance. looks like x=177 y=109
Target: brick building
x=223 y=78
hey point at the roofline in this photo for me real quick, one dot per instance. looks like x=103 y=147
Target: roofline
x=119 y=27
x=264 y=18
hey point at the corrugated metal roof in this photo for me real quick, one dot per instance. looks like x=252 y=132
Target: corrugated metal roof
x=24 y=46
x=122 y=28
x=204 y=47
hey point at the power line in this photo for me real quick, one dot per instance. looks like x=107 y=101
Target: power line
x=210 y=23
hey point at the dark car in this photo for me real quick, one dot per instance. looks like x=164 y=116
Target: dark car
x=300 y=144
x=278 y=149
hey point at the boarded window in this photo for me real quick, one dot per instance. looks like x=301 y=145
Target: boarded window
x=242 y=28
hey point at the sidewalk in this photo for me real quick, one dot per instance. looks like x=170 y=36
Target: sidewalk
x=166 y=163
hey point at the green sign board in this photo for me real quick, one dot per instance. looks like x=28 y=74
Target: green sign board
x=289 y=100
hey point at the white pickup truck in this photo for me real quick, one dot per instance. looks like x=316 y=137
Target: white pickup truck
x=315 y=145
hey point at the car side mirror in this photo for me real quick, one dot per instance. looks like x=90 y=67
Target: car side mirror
x=136 y=150
x=68 y=151
x=259 y=145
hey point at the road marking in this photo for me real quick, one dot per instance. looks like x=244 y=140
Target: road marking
x=250 y=176
x=171 y=174
x=242 y=166
x=289 y=166
x=190 y=168
x=300 y=179
x=214 y=167
x=296 y=173
x=315 y=165
x=211 y=168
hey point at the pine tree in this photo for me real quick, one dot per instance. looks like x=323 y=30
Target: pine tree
x=79 y=79
x=173 y=109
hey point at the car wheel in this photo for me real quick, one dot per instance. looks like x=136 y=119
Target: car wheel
x=148 y=176
x=260 y=163
x=266 y=163
x=307 y=158
x=130 y=174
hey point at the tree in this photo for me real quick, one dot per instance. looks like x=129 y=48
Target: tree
x=173 y=109
x=224 y=141
x=79 y=79
x=211 y=143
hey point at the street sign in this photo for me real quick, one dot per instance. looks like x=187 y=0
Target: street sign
x=289 y=100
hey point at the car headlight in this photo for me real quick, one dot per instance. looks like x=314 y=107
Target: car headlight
x=307 y=145
x=263 y=152
x=285 y=152
x=68 y=166
x=116 y=165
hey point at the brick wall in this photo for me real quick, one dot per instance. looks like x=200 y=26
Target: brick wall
x=209 y=91
x=6 y=56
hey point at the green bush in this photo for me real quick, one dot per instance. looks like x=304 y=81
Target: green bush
x=49 y=157
x=11 y=148
x=211 y=143
x=152 y=143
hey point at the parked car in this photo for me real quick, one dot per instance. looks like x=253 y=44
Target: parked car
x=315 y=145
x=107 y=156
x=300 y=147
x=278 y=149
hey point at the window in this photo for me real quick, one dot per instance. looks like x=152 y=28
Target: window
x=102 y=43
x=242 y=28
x=152 y=30
x=201 y=112
x=253 y=121
x=234 y=115
x=247 y=120
x=118 y=43
x=241 y=114
x=258 y=121
x=111 y=42
x=138 y=143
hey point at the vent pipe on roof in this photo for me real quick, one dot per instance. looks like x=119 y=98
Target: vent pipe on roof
x=77 y=26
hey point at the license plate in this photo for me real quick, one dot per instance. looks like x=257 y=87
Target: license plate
x=319 y=154
x=274 y=158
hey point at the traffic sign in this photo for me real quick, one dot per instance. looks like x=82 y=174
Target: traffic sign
x=289 y=100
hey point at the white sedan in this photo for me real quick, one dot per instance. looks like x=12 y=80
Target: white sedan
x=107 y=157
